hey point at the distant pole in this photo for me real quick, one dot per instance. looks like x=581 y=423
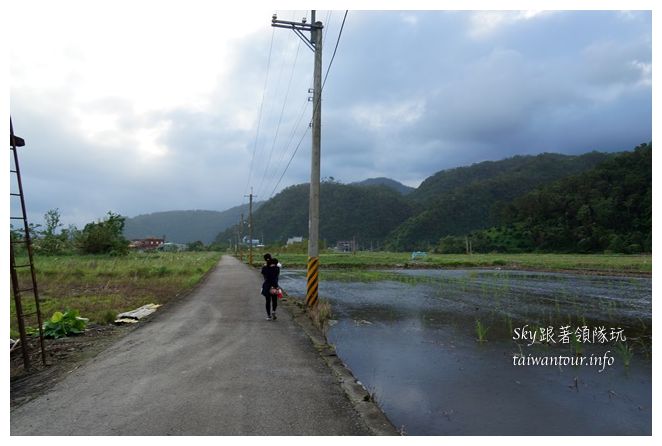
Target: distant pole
x=250 y=227
x=315 y=44
x=241 y=235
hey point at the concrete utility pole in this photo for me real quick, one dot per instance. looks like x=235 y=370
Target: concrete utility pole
x=250 y=227
x=315 y=44
x=241 y=237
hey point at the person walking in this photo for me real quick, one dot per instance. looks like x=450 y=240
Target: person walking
x=270 y=272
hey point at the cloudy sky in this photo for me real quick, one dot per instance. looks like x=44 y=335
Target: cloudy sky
x=139 y=107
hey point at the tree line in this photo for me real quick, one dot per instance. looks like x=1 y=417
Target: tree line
x=100 y=237
x=105 y=236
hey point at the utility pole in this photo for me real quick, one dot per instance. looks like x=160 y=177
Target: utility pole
x=315 y=44
x=240 y=237
x=250 y=227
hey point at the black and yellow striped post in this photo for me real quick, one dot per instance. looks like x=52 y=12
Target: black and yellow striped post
x=312 y=279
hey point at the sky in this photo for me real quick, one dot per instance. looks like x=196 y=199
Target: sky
x=140 y=107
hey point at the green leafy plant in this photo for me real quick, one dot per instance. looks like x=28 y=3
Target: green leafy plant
x=64 y=324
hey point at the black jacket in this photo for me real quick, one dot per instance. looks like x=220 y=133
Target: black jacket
x=270 y=274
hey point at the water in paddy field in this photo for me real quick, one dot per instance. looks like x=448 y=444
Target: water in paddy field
x=412 y=340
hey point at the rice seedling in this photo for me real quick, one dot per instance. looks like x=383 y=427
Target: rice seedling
x=625 y=352
x=509 y=325
x=481 y=331
x=576 y=347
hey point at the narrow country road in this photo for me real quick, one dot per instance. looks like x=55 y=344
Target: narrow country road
x=210 y=365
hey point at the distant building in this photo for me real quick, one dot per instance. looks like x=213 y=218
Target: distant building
x=147 y=243
x=344 y=246
x=293 y=240
x=254 y=242
x=172 y=247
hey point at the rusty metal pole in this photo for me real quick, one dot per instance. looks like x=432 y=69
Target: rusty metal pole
x=14 y=143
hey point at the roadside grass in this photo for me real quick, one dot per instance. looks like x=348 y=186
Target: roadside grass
x=100 y=286
x=598 y=263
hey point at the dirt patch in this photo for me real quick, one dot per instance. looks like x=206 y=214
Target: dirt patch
x=63 y=356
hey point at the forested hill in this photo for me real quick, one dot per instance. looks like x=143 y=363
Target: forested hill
x=368 y=213
x=457 y=201
x=608 y=208
x=451 y=202
x=381 y=181
x=184 y=226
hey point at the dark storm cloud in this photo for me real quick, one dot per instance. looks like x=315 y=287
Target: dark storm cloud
x=526 y=87
x=409 y=94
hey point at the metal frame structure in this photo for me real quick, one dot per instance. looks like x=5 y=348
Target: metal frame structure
x=18 y=291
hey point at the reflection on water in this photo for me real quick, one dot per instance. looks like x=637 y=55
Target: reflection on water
x=412 y=341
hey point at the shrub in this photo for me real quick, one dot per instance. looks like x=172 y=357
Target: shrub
x=104 y=237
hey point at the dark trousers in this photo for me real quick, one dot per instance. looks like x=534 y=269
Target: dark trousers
x=271 y=302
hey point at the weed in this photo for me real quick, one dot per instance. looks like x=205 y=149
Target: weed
x=320 y=314
x=109 y=317
x=100 y=285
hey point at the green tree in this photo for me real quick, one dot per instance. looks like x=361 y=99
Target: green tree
x=104 y=237
x=51 y=242
x=196 y=246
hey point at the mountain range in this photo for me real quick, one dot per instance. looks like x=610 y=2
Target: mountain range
x=381 y=213
x=184 y=226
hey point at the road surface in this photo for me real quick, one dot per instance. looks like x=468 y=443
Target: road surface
x=209 y=365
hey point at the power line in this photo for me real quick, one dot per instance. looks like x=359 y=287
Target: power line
x=294 y=130
x=316 y=105
x=335 y=49
x=259 y=120
x=327 y=24
x=290 y=161
x=280 y=118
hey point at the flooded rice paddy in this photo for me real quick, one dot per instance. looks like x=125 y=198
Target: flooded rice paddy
x=452 y=352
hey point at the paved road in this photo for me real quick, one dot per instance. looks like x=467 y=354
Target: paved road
x=210 y=365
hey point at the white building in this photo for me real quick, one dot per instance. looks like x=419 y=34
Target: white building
x=293 y=240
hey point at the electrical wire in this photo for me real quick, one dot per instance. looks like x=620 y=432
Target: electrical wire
x=259 y=120
x=315 y=105
x=280 y=118
x=289 y=162
x=334 y=50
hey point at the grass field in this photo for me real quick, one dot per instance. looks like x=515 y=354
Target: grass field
x=100 y=287
x=595 y=263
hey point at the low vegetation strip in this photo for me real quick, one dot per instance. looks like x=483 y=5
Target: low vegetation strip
x=594 y=263
x=101 y=286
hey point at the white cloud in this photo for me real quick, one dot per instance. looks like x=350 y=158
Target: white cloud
x=389 y=115
x=153 y=56
x=410 y=19
x=137 y=109
x=486 y=23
